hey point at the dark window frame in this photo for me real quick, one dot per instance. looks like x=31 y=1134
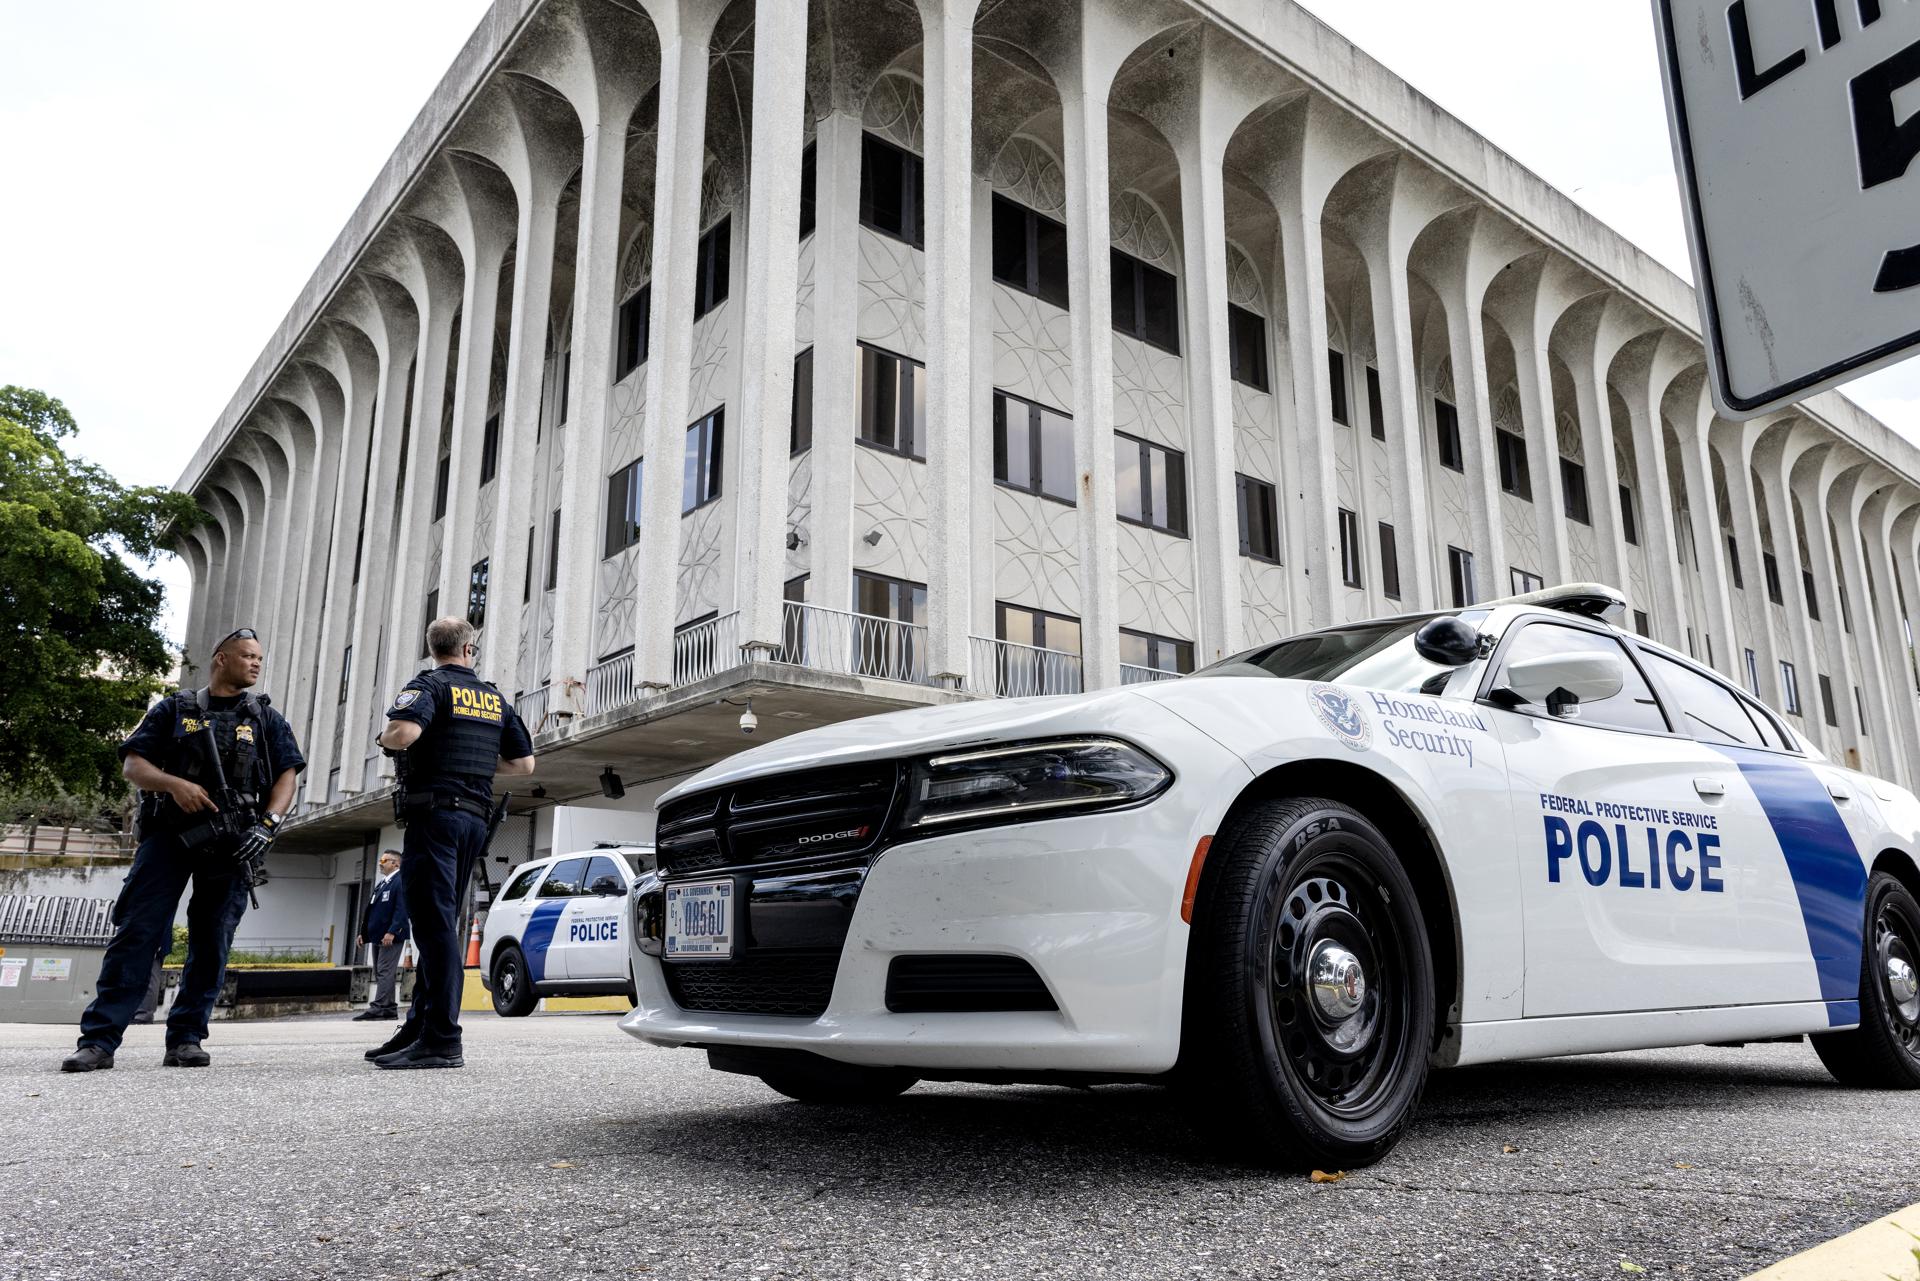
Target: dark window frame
x=1353 y=566
x=1770 y=571
x=1460 y=577
x=477 y=592
x=713 y=267
x=1247 y=348
x=709 y=451
x=552 y=579
x=1337 y=386
x=912 y=229
x=625 y=486
x=442 y=484
x=633 y=328
x=1176 y=460
x=809 y=189
x=1575 y=503
x=1510 y=452
x=1181 y=657
x=1143 y=281
x=1389 y=560
x=1446 y=430
x=800 y=416
x=915 y=447
x=490 y=448
x=1629 y=518
x=1376 y=405
x=1038 y=276
x=433 y=613
x=1003 y=401
x=1249 y=491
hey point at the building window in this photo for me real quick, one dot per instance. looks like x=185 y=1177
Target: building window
x=1511 y=451
x=1259 y=518
x=1337 y=385
x=1789 y=689
x=1812 y=597
x=346 y=672
x=630 y=351
x=700 y=467
x=1351 y=572
x=1643 y=624
x=1376 y=408
x=623 y=508
x=1770 y=568
x=1155 y=653
x=440 y=477
x=1038 y=668
x=1573 y=491
x=1860 y=709
x=1827 y=708
x=710 y=265
x=477 y=594
x=893 y=402
x=809 y=186
x=1460 y=576
x=1247 y=347
x=891 y=190
x=800 y=419
x=893 y=653
x=1150 y=484
x=1846 y=610
x=526 y=582
x=1146 y=303
x=490 y=449
x=1753 y=672
x=1032 y=448
x=1733 y=563
x=1446 y=424
x=1629 y=523
x=1036 y=627
x=433 y=612
x=566 y=384
x=1029 y=252
x=1389 y=563
x=1523 y=582
x=553 y=551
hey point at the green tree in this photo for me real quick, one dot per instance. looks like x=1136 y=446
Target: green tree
x=79 y=642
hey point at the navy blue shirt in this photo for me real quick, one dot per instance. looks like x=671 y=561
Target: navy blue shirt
x=426 y=701
x=153 y=738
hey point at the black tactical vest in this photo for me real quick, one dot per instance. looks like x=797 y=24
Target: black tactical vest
x=238 y=736
x=463 y=741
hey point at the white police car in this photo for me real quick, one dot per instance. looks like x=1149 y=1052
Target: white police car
x=1291 y=882
x=558 y=928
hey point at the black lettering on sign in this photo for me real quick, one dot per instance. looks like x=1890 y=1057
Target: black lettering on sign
x=1751 y=81
x=1886 y=147
x=1829 y=23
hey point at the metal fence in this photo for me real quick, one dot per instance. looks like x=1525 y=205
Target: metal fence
x=1008 y=669
x=41 y=840
x=703 y=648
x=1132 y=675
x=55 y=918
x=833 y=640
x=610 y=684
x=532 y=707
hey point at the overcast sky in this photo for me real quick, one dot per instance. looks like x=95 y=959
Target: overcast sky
x=178 y=170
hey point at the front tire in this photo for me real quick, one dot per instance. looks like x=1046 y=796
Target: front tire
x=513 y=994
x=828 y=1082
x=1310 y=991
x=1884 y=1051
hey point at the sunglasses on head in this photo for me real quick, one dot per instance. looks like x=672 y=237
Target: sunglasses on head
x=244 y=633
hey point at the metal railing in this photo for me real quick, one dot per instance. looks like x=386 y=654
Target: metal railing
x=1008 y=669
x=1132 y=675
x=833 y=640
x=703 y=648
x=610 y=684
x=42 y=840
x=55 y=918
x=532 y=707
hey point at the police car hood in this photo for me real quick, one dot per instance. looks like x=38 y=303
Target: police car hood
x=923 y=730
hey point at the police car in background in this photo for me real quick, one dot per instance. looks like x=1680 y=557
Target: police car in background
x=559 y=929
x=1291 y=882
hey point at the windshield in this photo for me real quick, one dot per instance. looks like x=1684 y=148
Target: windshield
x=1377 y=655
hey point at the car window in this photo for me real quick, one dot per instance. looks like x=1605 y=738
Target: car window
x=603 y=866
x=523 y=882
x=1633 y=708
x=567 y=879
x=1709 y=710
x=1376 y=655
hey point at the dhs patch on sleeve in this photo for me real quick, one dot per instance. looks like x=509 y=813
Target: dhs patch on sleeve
x=404 y=699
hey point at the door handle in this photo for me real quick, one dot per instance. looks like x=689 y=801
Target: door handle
x=1709 y=787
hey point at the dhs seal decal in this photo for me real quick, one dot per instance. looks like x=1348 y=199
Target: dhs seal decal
x=1341 y=715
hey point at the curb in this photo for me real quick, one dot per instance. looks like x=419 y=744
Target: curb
x=1885 y=1250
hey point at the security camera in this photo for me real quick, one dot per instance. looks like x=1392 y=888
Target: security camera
x=748 y=721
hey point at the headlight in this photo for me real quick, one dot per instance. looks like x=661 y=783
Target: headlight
x=1040 y=780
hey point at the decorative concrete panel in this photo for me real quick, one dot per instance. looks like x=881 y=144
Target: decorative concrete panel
x=893 y=295
x=1138 y=229
x=1026 y=171
x=889 y=495
x=896 y=109
x=803 y=312
x=1036 y=552
x=711 y=373
x=1149 y=393
x=1256 y=428
x=800 y=513
x=615 y=581
x=1156 y=578
x=704 y=569
x=1031 y=348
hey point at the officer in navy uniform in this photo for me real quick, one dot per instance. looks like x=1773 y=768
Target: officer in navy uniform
x=456 y=732
x=385 y=924
x=216 y=770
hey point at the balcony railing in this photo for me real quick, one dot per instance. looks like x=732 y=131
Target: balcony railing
x=1008 y=669
x=703 y=648
x=832 y=640
x=532 y=707
x=610 y=684
x=1132 y=675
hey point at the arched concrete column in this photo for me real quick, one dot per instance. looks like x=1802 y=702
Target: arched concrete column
x=223 y=565
x=1773 y=457
x=242 y=477
x=313 y=391
x=1878 y=517
x=1734 y=444
x=298 y=443
x=193 y=548
x=1903 y=538
x=1589 y=338
x=1642 y=372
x=1689 y=407
x=1850 y=504
x=1816 y=472
x=260 y=450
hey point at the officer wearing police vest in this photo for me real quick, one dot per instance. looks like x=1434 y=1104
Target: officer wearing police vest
x=455 y=732
x=215 y=768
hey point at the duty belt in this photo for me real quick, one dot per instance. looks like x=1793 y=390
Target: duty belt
x=445 y=801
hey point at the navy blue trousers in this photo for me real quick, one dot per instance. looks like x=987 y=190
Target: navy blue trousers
x=143 y=919
x=439 y=854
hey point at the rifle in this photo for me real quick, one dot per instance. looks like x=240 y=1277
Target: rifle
x=228 y=821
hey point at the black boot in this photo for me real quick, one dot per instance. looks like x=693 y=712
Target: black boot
x=186 y=1054
x=421 y=1056
x=88 y=1058
x=398 y=1041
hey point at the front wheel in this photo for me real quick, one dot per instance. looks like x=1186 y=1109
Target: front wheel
x=1884 y=1051
x=825 y=1081
x=1310 y=991
x=513 y=994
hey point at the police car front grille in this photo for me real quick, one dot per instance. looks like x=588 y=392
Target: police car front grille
x=809 y=814
x=787 y=984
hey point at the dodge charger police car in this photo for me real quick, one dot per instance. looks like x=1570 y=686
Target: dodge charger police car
x=1292 y=882
x=559 y=929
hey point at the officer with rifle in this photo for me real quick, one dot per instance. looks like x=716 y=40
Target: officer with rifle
x=215 y=768
x=450 y=732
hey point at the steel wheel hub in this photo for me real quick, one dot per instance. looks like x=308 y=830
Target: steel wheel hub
x=1338 y=982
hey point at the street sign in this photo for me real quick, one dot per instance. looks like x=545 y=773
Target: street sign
x=1796 y=128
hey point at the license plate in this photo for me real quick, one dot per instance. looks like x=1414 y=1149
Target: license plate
x=700 y=918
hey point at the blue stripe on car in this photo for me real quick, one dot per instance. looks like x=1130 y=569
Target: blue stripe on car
x=1828 y=875
x=539 y=933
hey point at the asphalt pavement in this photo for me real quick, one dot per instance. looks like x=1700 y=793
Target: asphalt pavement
x=564 y=1149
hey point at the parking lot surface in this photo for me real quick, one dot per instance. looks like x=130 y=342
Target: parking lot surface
x=566 y=1150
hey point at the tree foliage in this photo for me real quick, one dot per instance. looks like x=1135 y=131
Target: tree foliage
x=81 y=653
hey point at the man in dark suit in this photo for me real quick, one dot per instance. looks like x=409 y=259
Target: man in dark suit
x=385 y=923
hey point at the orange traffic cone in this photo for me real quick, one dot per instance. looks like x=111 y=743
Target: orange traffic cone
x=473 y=945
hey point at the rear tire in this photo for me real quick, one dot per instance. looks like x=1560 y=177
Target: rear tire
x=1883 y=1053
x=513 y=994
x=1280 y=1070
x=839 y=1083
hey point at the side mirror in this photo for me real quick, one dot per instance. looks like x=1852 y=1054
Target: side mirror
x=609 y=886
x=1450 y=642
x=1561 y=682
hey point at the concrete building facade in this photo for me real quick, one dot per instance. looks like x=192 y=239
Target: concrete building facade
x=852 y=354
